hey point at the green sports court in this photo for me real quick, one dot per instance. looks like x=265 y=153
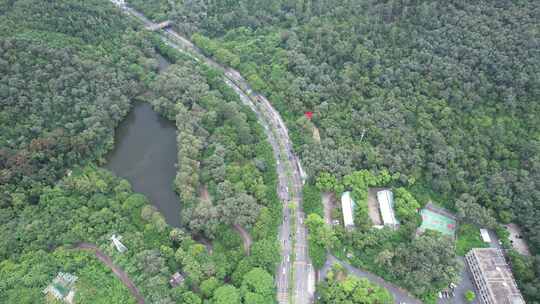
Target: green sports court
x=438 y=219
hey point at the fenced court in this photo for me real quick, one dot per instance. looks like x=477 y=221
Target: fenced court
x=438 y=219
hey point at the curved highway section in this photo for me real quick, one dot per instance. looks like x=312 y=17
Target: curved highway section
x=295 y=276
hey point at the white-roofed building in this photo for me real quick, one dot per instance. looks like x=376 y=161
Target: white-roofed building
x=116 y=241
x=485 y=235
x=347 y=207
x=386 y=207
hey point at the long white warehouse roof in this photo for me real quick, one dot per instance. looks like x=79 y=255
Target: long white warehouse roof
x=386 y=205
x=485 y=235
x=347 y=208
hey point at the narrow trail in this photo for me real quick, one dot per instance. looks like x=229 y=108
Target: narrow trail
x=245 y=237
x=204 y=195
x=105 y=259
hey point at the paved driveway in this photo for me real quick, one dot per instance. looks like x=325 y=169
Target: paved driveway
x=464 y=285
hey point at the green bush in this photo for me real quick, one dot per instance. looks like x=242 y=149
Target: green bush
x=470 y=296
x=312 y=202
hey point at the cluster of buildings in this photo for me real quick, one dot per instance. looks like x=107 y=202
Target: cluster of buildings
x=385 y=200
x=489 y=272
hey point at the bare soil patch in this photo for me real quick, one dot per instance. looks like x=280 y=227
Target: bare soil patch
x=373 y=206
x=316 y=135
x=328 y=200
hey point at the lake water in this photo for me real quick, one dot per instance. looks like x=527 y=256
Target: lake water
x=145 y=154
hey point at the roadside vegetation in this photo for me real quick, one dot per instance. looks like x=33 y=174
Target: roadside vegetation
x=341 y=288
x=468 y=237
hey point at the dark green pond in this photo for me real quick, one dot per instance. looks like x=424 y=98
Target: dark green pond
x=145 y=154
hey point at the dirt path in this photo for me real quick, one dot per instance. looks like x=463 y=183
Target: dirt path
x=205 y=242
x=373 y=206
x=245 y=237
x=316 y=135
x=204 y=194
x=115 y=269
x=328 y=199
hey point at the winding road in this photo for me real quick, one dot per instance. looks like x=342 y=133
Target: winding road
x=105 y=259
x=295 y=261
x=246 y=238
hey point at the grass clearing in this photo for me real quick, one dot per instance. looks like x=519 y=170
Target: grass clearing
x=468 y=237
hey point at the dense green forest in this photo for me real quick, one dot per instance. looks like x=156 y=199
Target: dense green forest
x=70 y=72
x=96 y=284
x=63 y=89
x=89 y=206
x=438 y=99
x=443 y=92
x=223 y=152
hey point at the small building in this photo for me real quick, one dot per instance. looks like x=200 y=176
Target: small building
x=347 y=207
x=62 y=287
x=485 y=235
x=116 y=242
x=176 y=279
x=493 y=277
x=386 y=208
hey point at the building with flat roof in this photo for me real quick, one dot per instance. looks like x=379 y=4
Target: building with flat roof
x=347 y=207
x=386 y=207
x=493 y=277
x=485 y=235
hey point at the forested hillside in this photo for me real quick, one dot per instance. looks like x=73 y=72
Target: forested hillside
x=445 y=93
x=62 y=90
x=70 y=72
